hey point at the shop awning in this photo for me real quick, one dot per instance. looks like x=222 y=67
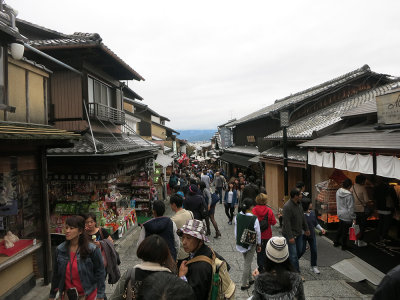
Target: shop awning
x=292 y=153
x=255 y=159
x=24 y=131
x=163 y=159
x=361 y=137
x=106 y=145
x=240 y=160
x=347 y=142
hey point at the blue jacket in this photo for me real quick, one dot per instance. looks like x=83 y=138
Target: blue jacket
x=234 y=198
x=91 y=270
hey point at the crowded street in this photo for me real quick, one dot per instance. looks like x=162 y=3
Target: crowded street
x=213 y=150
x=329 y=284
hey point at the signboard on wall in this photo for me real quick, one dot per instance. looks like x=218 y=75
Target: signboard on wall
x=226 y=137
x=388 y=108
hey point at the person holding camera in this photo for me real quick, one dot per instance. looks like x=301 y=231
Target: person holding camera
x=78 y=267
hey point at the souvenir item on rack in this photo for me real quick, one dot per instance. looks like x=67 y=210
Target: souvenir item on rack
x=12 y=237
x=7 y=242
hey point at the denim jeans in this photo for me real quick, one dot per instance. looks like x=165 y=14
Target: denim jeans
x=295 y=251
x=218 y=191
x=312 y=241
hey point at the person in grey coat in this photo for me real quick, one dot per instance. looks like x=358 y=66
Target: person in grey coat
x=345 y=213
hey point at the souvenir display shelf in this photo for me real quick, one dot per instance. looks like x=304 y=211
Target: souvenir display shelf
x=139 y=189
x=70 y=197
x=326 y=201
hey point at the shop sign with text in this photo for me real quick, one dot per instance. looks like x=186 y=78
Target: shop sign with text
x=388 y=108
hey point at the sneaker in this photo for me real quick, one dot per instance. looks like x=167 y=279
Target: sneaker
x=361 y=243
x=336 y=244
x=315 y=270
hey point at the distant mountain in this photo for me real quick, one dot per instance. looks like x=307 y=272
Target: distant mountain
x=196 y=135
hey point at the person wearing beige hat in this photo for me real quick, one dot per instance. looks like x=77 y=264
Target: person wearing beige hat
x=198 y=274
x=279 y=279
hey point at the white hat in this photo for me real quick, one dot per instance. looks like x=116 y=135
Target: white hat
x=277 y=249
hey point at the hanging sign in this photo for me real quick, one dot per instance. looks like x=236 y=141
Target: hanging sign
x=388 y=108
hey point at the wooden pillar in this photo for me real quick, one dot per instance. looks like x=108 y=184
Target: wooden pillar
x=45 y=211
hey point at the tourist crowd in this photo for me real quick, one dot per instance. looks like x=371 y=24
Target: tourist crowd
x=176 y=260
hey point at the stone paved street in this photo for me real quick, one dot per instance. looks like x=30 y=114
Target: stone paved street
x=330 y=284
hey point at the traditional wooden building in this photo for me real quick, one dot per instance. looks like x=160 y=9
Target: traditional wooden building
x=25 y=136
x=315 y=112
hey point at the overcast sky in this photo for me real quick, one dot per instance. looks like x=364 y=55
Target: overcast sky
x=208 y=61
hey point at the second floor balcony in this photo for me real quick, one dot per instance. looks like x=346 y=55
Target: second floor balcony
x=106 y=113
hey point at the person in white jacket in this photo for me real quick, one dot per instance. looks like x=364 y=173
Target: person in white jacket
x=345 y=213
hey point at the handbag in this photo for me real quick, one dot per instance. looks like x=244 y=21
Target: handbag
x=249 y=236
x=264 y=223
x=354 y=232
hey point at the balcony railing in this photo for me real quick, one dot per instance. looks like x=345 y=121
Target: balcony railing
x=106 y=113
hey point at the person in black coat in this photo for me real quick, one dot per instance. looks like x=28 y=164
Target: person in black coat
x=194 y=202
x=197 y=274
x=251 y=190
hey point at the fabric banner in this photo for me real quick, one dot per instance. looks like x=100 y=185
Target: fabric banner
x=311 y=158
x=385 y=166
x=327 y=160
x=340 y=161
x=351 y=162
x=396 y=167
x=365 y=164
x=318 y=159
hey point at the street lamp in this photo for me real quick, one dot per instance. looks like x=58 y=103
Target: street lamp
x=284 y=117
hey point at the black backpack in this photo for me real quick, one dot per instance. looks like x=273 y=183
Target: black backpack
x=264 y=222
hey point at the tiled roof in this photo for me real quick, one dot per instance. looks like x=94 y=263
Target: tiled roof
x=370 y=106
x=106 y=144
x=130 y=94
x=304 y=95
x=249 y=150
x=310 y=125
x=360 y=137
x=76 y=40
x=13 y=34
x=226 y=123
x=143 y=107
x=293 y=153
x=167 y=128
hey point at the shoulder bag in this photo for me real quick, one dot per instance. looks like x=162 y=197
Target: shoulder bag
x=249 y=236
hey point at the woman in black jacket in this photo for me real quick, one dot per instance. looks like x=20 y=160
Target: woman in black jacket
x=154 y=253
x=279 y=280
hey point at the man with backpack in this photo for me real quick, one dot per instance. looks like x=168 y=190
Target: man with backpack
x=204 y=265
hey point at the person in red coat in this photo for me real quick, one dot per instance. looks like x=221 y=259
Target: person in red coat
x=261 y=210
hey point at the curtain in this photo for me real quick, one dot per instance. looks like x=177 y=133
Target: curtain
x=311 y=157
x=365 y=164
x=396 y=167
x=385 y=165
x=340 y=161
x=318 y=159
x=327 y=160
